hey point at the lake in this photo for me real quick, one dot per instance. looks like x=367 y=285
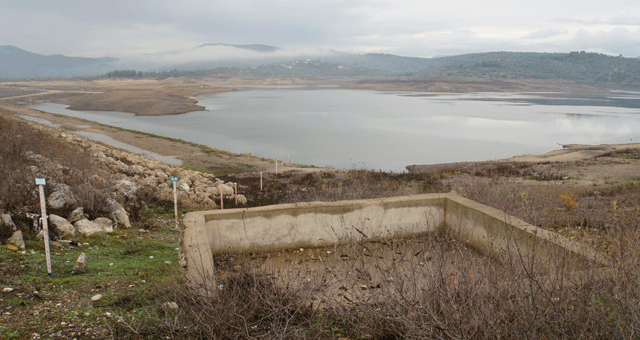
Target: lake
x=329 y=126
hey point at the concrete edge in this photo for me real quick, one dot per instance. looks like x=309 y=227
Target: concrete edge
x=196 y=257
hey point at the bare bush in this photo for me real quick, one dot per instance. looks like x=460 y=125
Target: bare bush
x=432 y=287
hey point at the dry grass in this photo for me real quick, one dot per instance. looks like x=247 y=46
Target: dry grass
x=393 y=297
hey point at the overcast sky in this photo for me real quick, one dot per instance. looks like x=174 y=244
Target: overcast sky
x=404 y=27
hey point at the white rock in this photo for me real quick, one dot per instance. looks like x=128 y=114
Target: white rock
x=61 y=227
x=96 y=297
x=81 y=265
x=127 y=188
x=171 y=305
x=118 y=212
x=105 y=223
x=242 y=200
x=61 y=197
x=7 y=222
x=86 y=227
x=16 y=239
x=76 y=215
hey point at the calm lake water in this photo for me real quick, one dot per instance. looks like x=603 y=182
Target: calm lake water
x=388 y=130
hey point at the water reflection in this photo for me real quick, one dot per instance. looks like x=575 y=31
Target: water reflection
x=349 y=128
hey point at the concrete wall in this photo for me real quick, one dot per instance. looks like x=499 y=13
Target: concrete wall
x=493 y=231
x=319 y=224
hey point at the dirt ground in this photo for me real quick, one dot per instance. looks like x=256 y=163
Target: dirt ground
x=584 y=165
x=141 y=96
x=446 y=84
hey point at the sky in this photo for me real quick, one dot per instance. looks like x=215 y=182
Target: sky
x=120 y=28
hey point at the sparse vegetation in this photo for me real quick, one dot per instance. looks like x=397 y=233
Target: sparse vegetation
x=477 y=297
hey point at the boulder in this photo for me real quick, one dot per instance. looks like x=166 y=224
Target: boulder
x=76 y=215
x=86 y=227
x=226 y=190
x=61 y=197
x=126 y=188
x=242 y=200
x=10 y=247
x=183 y=186
x=208 y=203
x=16 y=239
x=7 y=227
x=61 y=227
x=105 y=223
x=137 y=169
x=98 y=182
x=7 y=222
x=119 y=214
x=81 y=265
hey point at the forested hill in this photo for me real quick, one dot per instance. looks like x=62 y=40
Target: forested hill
x=266 y=61
x=18 y=63
x=581 y=67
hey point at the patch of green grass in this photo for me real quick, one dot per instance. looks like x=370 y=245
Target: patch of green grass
x=221 y=170
x=632 y=182
x=9 y=333
x=126 y=267
x=156 y=210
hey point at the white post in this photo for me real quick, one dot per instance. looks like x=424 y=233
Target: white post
x=221 y=195
x=276 y=168
x=41 y=182
x=175 y=203
x=175 y=197
x=235 y=188
x=260 y=180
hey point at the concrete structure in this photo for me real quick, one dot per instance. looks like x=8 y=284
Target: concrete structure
x=317 y=224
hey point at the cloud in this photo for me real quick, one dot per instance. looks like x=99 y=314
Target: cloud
x=407 y=27
x=218 y=53
x=619 y=40
x=544 y=34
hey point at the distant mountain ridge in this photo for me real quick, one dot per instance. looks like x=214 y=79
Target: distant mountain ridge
x=18 y=63
x=213 y=59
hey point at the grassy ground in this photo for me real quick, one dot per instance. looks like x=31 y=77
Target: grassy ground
x=123 y=266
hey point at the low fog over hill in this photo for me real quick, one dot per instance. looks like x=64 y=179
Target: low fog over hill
x=264 y=60
x=18 y=63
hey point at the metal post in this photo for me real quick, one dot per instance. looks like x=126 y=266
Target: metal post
x=221 y=195
x=41 y=182
x=235 y=185
x=260 y=180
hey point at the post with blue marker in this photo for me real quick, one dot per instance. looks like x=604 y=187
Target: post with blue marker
x=41 y=182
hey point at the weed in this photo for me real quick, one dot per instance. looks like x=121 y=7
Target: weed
x=568 y=200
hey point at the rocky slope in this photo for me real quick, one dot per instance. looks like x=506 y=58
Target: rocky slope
x=124 y=182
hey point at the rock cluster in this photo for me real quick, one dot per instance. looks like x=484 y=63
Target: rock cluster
x=120 y=177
